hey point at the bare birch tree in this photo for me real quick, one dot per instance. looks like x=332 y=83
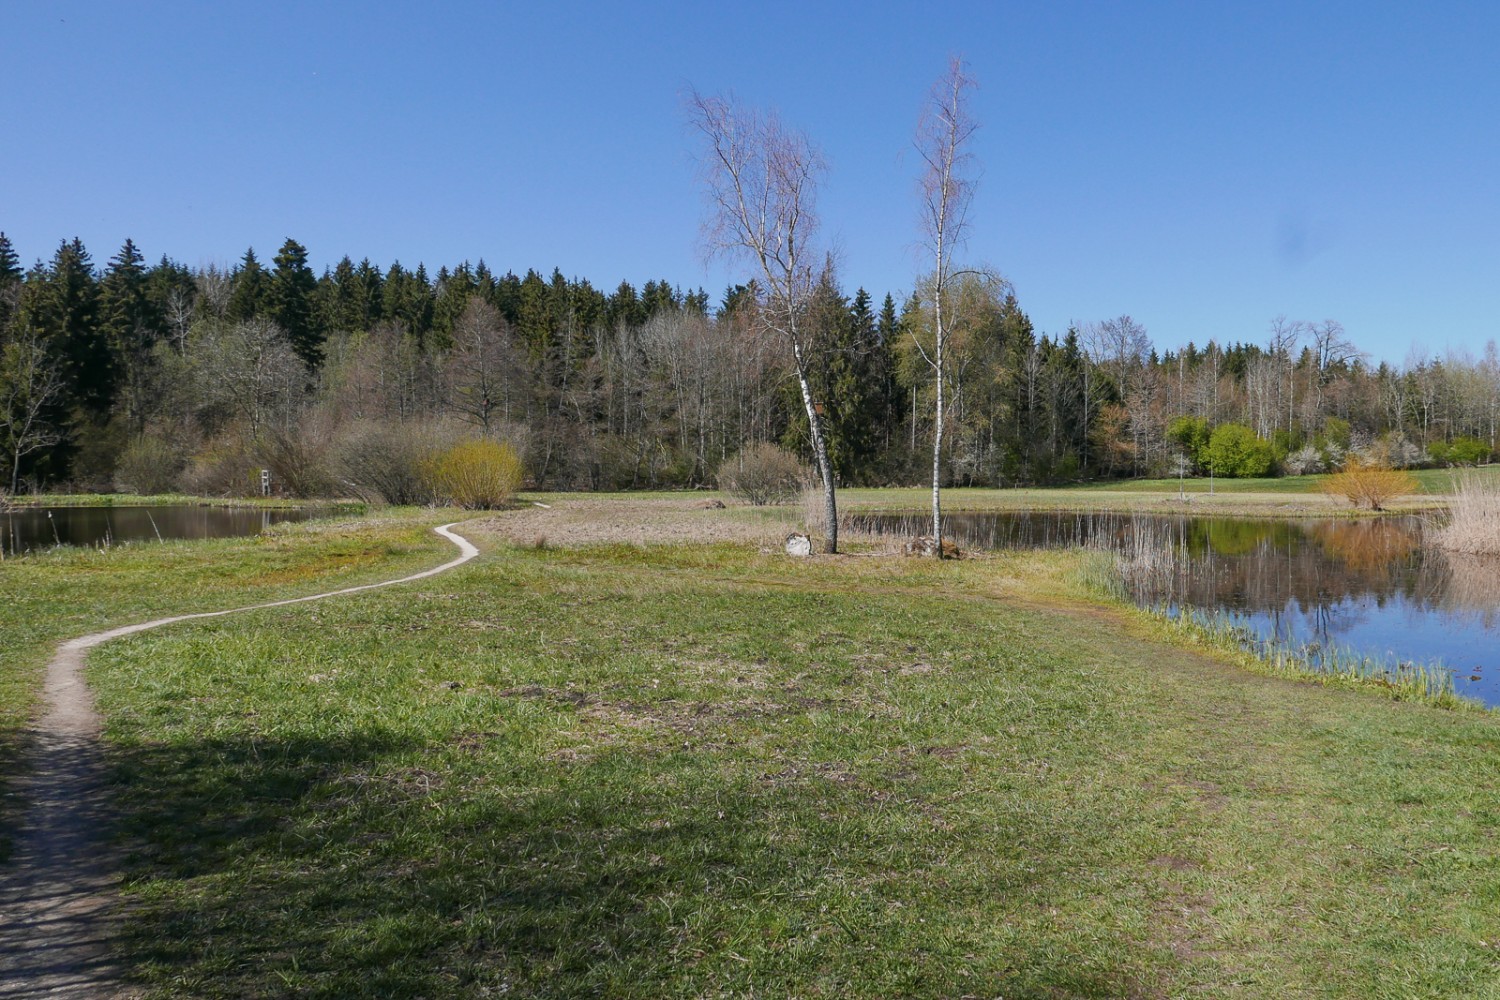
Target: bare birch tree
x=943 y=134
x=762 y=183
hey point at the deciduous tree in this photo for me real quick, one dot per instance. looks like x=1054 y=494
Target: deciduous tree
x=942 y=142
x=761 y=178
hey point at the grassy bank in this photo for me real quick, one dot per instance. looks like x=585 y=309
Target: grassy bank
x=54 y=595
x=1286 y=496
x=705 y=769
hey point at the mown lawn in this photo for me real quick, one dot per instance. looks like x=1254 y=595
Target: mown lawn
x=700 y=770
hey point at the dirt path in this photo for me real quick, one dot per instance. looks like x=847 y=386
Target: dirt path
x=58 y=893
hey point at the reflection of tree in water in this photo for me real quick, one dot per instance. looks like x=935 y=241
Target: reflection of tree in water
x=1369 y=586
x=1327 y=571
x=1367 y=547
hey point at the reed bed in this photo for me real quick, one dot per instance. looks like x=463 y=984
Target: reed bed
x=1426 y=683
x=1474 y=517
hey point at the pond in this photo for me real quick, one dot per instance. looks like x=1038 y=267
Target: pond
x=32 y=528
x=1367 y=586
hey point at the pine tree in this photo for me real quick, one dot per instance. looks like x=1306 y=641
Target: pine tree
x=341 y=304
x=294 y=290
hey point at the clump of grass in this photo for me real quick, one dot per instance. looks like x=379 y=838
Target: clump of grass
x=1099 y=575
x=1474 y=522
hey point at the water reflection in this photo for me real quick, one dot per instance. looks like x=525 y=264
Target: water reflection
x=28 y=529
x=1370 y=586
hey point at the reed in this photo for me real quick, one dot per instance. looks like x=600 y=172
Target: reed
x=1474 y=517
x=1426 y=683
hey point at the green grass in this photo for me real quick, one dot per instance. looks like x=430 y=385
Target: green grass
x=62 y=593
x=683 y=771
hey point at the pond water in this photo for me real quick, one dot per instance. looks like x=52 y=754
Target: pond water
x=33 y=528
x=1368 y=586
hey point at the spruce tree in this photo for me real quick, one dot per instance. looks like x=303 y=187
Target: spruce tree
x=294 y=290
x=10 y=283
x=126 y=318
x=371 y=293
x=61 y=301
x=251 y=292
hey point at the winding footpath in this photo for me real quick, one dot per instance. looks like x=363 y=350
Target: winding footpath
x=58 y=893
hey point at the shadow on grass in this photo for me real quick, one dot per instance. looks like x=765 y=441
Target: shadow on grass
x=375 y=866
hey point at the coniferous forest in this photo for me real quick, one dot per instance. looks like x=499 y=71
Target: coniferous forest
x=153 y=377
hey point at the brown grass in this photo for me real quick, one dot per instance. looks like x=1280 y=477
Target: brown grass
x=587 y=520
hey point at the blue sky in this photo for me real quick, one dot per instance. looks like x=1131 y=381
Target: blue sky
x=1201 y=167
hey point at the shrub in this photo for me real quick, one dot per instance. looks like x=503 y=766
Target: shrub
x=478 y=474
x=763 y=474
x=1369 y=484
x=298 y=460
x=1235 y=450
x=224 y=466
x=1191 y=435
x=1303 y=461
x=1460 y=451
x=384 y=463
x=148 y=465
x=1393 y=451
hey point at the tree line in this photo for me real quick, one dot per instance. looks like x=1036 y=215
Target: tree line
x=158 y=376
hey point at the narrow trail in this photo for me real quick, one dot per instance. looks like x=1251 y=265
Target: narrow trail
x=59 y=891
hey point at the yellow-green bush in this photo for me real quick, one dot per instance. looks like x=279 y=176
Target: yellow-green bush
x=478 y=474
x=1370 y=484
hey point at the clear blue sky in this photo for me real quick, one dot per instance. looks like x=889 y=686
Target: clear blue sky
x=1200 y=166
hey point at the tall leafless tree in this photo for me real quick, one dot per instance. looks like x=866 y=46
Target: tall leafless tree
x=484 y=371
x=762 y=178
x=942 y=141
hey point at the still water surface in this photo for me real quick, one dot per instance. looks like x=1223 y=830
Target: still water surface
x=39 y=527
x=1368 y=586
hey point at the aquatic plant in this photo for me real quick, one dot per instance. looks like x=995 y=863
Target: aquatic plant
x=1325 y=662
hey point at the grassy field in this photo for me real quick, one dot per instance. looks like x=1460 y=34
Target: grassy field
x=579 y=767
x=1287 y=496
x=58 y=594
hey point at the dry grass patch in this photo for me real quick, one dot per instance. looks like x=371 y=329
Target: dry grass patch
x=591 y=520
x=1474 y=522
